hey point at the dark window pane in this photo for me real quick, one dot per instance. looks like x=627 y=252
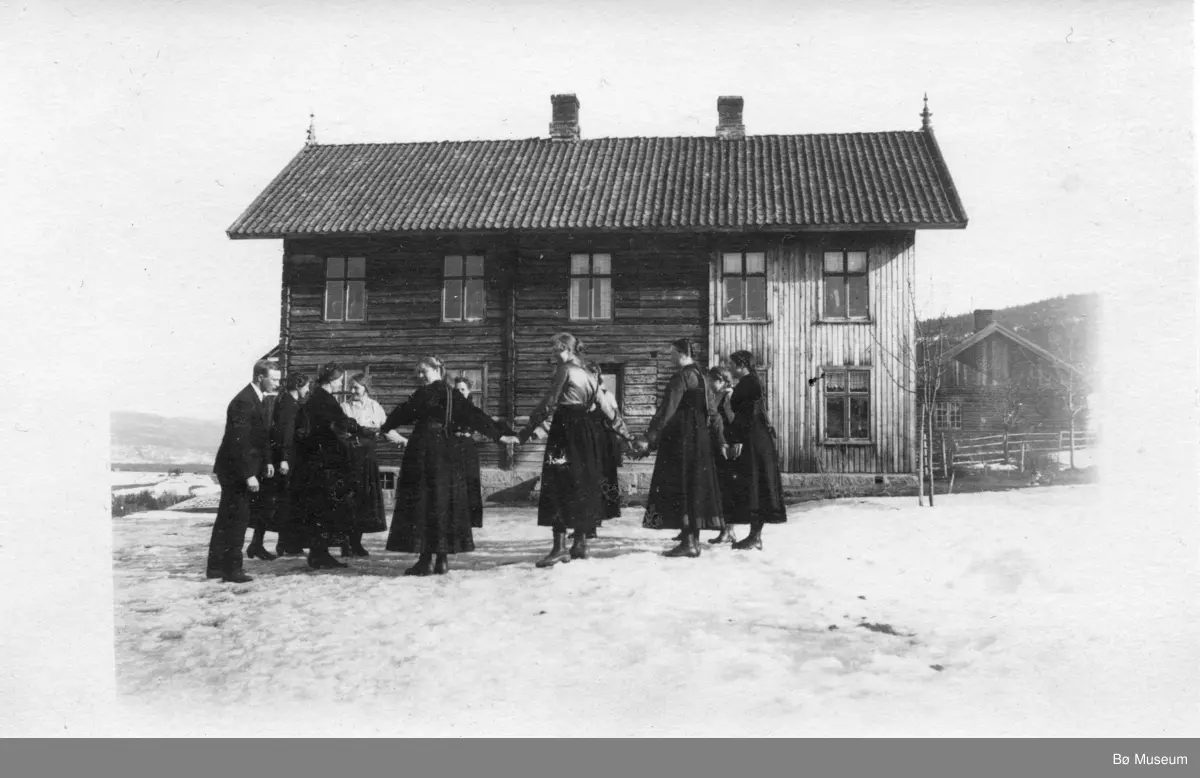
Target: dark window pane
x=475 y=300
x=860 y=419
x=581 y=298
x=453 y=266
x=334 y=302
x=835 y=417
x=756 y=298
x=835 y=298
x=335 y=267
x=735 y=307
x=858 y=296
x=474 y=266
x=452 y=302
x=356 y=300
x=356 y=267
x=602 y=298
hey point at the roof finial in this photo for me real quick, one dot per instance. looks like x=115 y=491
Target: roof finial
x=311 y=138
x=925 y=115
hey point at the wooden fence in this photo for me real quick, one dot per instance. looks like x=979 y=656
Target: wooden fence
x=990 y=449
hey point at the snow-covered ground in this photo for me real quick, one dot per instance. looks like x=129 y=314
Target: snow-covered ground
x=1017 y=613
x=160 y=484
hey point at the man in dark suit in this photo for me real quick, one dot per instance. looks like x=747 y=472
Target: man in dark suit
x=244 y=457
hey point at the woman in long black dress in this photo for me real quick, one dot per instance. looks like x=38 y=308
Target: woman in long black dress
x=369 y=515
x=285 y=455
x=571 y=498
x=433 y=513
x=684 y=493
x=605 y=415
x=759 y=498
x=327 y=476
x=721 y=381
x=465 y=440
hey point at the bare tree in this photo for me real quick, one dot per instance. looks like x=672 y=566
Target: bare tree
x=921 y=355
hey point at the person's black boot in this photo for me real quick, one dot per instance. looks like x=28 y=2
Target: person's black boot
x=690 y=547
x=441 y=565
x=558 y=553
x=753 y=541
x=579 y=549
x=422 y=567
x=320 y=558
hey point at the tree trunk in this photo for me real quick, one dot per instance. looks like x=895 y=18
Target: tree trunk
x=929 y=437
x=921 y=463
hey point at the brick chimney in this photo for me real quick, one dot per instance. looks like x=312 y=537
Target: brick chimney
x=983 y=318
x=564 y=124
x=729 y=118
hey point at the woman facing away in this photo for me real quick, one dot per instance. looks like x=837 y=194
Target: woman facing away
x=433 y=513
x=759 y=490
x=368 y=492
x=327 y=478
x=285 y=454
x=571 y=498
x=465 y=441
x=684 y=493
x=607 y=418
x=721 y=381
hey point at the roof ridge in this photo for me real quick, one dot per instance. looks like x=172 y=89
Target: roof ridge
x=544 y=139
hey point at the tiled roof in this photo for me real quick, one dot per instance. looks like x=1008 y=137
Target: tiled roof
x=855 y=180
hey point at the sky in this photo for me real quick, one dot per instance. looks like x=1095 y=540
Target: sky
x=136 y=133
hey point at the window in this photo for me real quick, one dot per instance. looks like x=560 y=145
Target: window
x=744 y=286
x=341 y=387
x=345 y=288
x=845 y=284
x=947 y=416
x=847 y=404
x=478 y=378
x=591 y=287
x=387 y=480
x=610 y=377
x=463 y=296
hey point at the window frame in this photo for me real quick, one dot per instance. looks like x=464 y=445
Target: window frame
x=479 y=392
x=743 y=276
x=463 y=277
x=848 y=394
x=845 y=275
x=341 y=392
x=591 y=275
x=943 y=418
x=617 y=370
x=344 y=279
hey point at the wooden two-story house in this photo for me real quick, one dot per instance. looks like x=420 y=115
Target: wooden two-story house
x=799 y=248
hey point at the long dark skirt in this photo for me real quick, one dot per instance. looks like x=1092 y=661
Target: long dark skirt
x=727 y=480
x=571 y=495
x=608 y=457
x=468 y=452
x=324 y=498
x=433 y=512
x=289 y=510
x=369 y=515
x=758 y=495
x=264 y=505
x=684 y=493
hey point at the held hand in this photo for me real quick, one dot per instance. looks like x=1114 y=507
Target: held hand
x=283 y=468
x=252 y=483
x=510 y=440
x=736 y=450
x=270 y=471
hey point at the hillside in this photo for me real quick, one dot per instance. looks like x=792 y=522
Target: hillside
x=1074 y=318
x=151 y=439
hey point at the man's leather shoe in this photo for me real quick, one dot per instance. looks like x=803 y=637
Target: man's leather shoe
x=236 y=577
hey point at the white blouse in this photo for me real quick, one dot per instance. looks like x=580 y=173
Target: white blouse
x=367 y=413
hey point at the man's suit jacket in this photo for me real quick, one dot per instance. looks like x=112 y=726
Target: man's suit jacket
x=245 y=447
